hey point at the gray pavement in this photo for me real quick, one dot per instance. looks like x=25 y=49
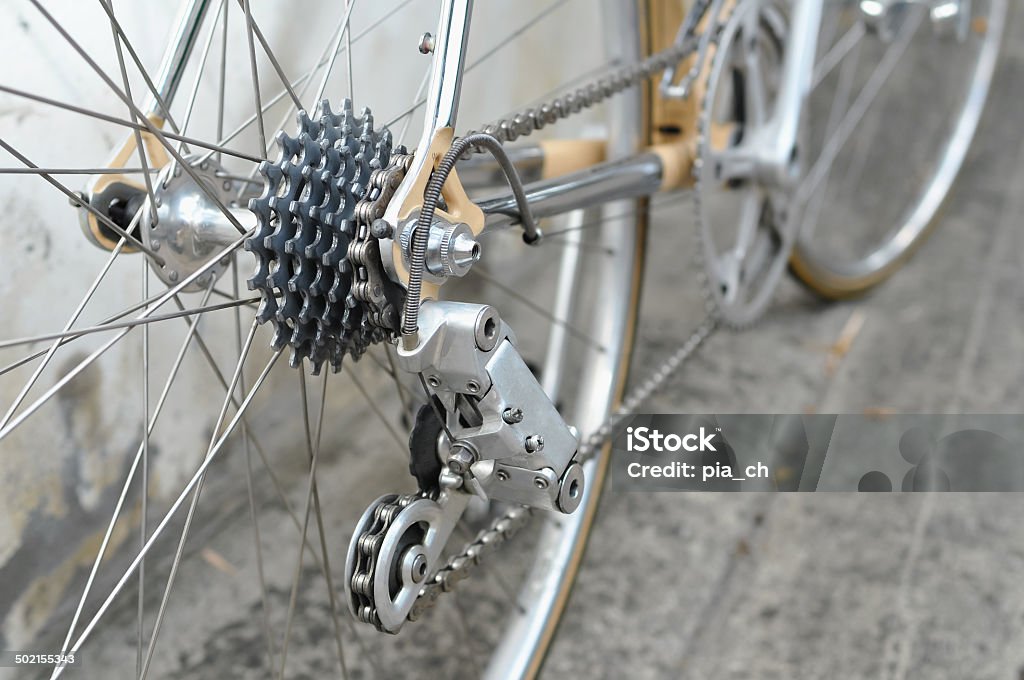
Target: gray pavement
x=834 y=585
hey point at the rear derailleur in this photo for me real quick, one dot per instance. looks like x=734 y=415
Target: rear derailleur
x=490 y=432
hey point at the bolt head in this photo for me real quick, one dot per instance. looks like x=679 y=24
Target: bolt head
x=540 y=483
x=501 y=475
x=426 y=45
x=381 y=229
x=419 y=568
x=461 y=459
x=433 y=381
x=472 y=387
x=512 y=415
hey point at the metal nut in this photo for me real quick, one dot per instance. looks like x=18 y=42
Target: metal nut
x=460 y=459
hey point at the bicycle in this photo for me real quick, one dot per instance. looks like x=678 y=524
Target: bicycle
x=365 y=250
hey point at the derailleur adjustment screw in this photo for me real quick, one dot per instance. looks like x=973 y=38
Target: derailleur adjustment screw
x=426 y=45
x=535 y=443
x=512 y=415
x=381 y=229
x=460 y=459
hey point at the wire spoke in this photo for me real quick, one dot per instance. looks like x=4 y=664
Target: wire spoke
x=140 y=321
x=857 y=110
x=35 y=355
x=403 y=445
x=192 y=141
x=527 y=302
x=74 y=197
x=342 y=31
x=194 y=502
x=144 y=510
x=182 y=350
x=328 y=581
x=153 y=129
x=75 y=171
x=487 y=55
x=164 y=110
x=278 y=487
x=304 y=79
x=173 y=509
x=140 y=148
x=96 y=354
x=254 y=72
x=254 y=27
x=56 y=345
x=305 y=521
x=193 y=95
x=246 y=446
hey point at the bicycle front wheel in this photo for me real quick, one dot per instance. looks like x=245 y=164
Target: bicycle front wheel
x=896 y=103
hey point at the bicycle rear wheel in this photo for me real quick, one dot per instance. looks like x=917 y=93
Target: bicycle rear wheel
x=147 y=412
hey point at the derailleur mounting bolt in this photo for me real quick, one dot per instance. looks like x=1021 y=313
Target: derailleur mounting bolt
x=512 y=415
x=534 y=443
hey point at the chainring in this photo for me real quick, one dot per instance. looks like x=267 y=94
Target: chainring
x=743 y=226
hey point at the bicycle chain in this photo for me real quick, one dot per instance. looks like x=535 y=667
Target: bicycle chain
x=361 y=583
x=503 y=528
x=374 y=300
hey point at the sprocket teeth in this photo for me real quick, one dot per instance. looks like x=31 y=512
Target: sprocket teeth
x=304 y=225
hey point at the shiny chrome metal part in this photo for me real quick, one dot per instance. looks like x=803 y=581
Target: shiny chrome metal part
x=190 y=228
x=451 y=248
x=769 y=152
x=442 y=105
x=630 y=177
x=467 y=356
x=175 y=60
